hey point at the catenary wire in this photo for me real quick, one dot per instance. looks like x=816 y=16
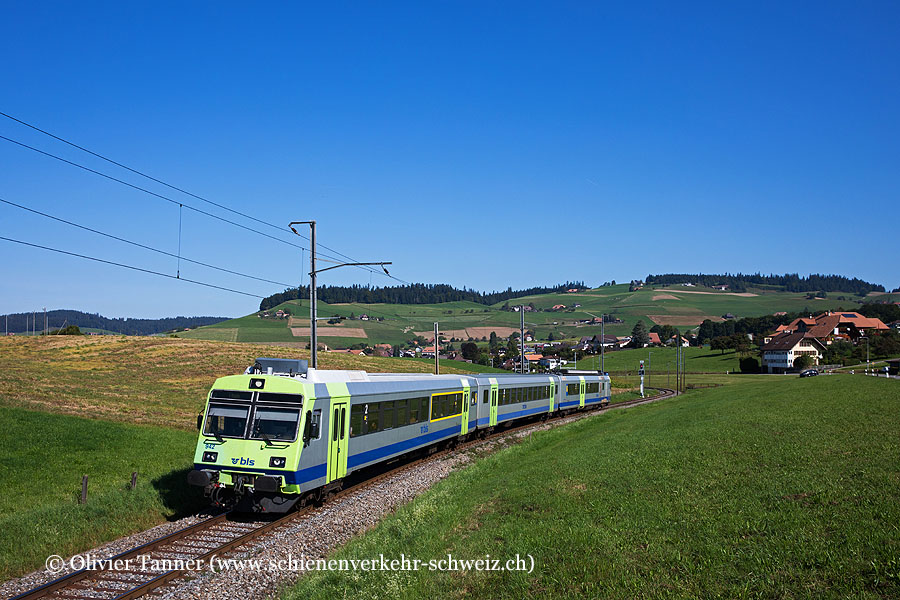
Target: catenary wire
x=144 y=246
x=183 y=191
x=132 y=267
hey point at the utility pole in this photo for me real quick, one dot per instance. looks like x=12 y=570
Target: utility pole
x=45 y=320
x=437 y=352
x=602 y=341
x=33 y=323
x=313 y=272
x=649 y=366
x=522 y=333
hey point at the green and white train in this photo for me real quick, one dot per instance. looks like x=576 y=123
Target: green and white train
x=282 y=433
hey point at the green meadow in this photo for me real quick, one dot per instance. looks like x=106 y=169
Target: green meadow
x=780 y=488
x=46 y=456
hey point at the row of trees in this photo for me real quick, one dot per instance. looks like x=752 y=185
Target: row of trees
x=415 y=293
x=789 y=282
x=22 y=322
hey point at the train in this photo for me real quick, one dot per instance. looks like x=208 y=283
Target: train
x=282 y=433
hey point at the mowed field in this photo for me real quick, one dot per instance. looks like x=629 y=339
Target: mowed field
x=658 y=361
x=782 y=488
x=145 y=380
x=674 y=305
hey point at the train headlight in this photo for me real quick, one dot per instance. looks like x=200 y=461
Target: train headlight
x=210 y=456
x=277 y=462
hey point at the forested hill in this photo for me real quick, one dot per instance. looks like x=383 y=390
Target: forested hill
x=789 y=282
x=416 y=293
x=21 y=322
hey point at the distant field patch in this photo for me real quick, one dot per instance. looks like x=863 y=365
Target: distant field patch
x=471 y=332
x=354 y=332
x=739 y=294
x=665 y=297
x=220 y=334
x=682 y=319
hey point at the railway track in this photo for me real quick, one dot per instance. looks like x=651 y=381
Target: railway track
x=136 y=572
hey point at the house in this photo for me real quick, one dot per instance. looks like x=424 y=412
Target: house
x=363 y=317
x=622 y=341
x=549 y=362
x=654 y=339
x=572 y=291
x=722 y=288
x=779 y=354
x=728 y=316
x=830 y=326
x=576 y=305
x=672 y=341
x=534 y=358
x=280 y=314
x=558 y=306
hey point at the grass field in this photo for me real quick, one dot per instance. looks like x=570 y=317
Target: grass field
x=697 y=360
x=784 y=488
x=675 y=305
x=45 y=456
x=149 y=380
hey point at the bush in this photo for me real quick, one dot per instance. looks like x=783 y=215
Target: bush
x=749 y=365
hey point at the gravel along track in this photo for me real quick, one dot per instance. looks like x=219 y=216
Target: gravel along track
x=310 y=535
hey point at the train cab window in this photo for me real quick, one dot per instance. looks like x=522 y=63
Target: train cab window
x=226 y=421
x=275 y=424
x=314 y=419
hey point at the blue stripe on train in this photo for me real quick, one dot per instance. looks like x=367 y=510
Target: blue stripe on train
x=354 y=460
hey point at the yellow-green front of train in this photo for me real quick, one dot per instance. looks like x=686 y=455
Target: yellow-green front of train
x=250 y=442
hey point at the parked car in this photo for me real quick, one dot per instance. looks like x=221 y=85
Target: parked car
x=809 y=373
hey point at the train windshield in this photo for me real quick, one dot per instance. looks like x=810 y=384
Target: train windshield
x=275 y=424
x=226 y=421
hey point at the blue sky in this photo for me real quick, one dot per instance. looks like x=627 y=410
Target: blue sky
x=483 y=144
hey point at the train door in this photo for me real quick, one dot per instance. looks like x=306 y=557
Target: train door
x=494 y=396
x=465 y=413
x=337 y=441
x=552 y=394
x=581 y=392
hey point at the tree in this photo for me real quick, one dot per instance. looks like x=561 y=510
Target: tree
x=803 y=361
x=639 y=335
x=722 y=342
x=469 y=350
x=551 y=337
x=494 y=342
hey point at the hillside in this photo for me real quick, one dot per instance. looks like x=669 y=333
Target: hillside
x=674 y=305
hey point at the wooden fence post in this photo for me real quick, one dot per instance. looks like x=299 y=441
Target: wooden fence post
x=84 y=482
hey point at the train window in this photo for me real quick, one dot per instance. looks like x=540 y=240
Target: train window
x=356 y=420
x=402 y=412
x=334 y=426
x=414 y=406
x=315 y=419
x=275 y=424
x=227 y=421
x=373 y=418
x=388 y=415
x=231 y=395
x=343 y=421
x=486 y=397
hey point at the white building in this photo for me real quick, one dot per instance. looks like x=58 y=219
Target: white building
x=780 y=353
